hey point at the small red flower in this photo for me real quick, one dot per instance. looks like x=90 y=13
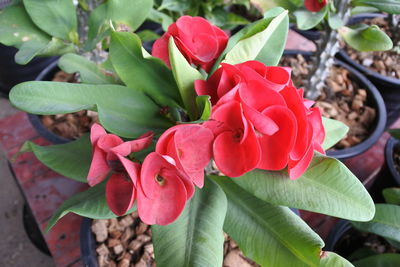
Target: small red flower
x=315 y=5
x=200 y=42
x=190 y=145
x=162 y=190
x=109 y=152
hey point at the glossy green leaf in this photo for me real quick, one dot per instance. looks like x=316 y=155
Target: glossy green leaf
x=148 y=35
x=366 y=38
x=363 y=9
x=56 y=17
x=160 y=18
x=196 y=238
x=335 y=21
x=268 y=234
x=386 y=222
x=150 y=75
x=129 y=12
x=99 y=28
x=124 y=111
x=381 y=260
x=184 y=75
x=392 y=195
x=71 y=160
x=307 y=20
x=250 y=47
x=89 y=71
x=332 y=259
x=395 y=133
x=17 y=28
x=90 y=203
x=327 y=187
x=175 y=5
x=388 y=6
x=334 y=132
x=204 y=105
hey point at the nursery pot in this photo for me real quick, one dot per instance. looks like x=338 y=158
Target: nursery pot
x=391 y=144
x=374 y=99
x=46 y=75
x=12 y=73
x=388 y=86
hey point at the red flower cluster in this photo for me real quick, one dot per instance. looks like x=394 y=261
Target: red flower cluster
x=260 y=120
x=165 y=180
x=200 y=42
x=315 y=5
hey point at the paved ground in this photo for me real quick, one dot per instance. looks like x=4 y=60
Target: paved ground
x=15 y=248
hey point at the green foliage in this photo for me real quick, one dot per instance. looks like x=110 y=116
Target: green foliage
x=385 y=223
x=196 y=238
x=327 y=187
x=184 y=75
x=307 y=20
x=366 y=38
x=124 y=111
x=204 y=106
x=268 y=234
x=160 y=18
x=129 y=12
x=148 y=35
x=392 y=195
x=55 y=17
x=335 y=130
x=332 y=259
x=395 y=133
x=89 y=71
x=71 y=159
x=149 y=75
x=388 y=6
x=381 y=260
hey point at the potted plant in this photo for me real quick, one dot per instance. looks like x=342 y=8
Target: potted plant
x=209 y=97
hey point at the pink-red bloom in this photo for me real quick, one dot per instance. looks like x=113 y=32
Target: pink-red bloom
x=261 y=101
x=190 y=145
x=162 y=190
x=109 y=157
x=315 y=5
x=200 y=42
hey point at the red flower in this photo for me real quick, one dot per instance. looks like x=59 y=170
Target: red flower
x=236 y=149
x=315 y=5
x=162 y=190
x=199 y=42
x=109 y=152
x=190 y=145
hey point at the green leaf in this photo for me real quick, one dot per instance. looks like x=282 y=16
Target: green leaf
x=381 y=260
x=71 y=159
x=334 y=132
x=332 y=259
x=184 y=75
x=98 y=27
x=395 y=133
x=196 y=237
x=175 y=5
x=366 y=38
x=129 y=12
x=161 y=18
x=386 y=222
x=56 y=17
x=16 y=27
x=204 y=106
x=151 y=75
x=89 y=71
x=124 y=111
x=268 y=234
x=334 y=20
x=392 y=195
x=148 y=35
x=363 y=9
x=388 y=6
x=307 y=20
x=90 y=203
x=250 y=47
x=272 y=51
x=327 y=187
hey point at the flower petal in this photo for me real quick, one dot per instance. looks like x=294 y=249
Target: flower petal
x=120 y=194
x=98 y=168
x=96 y=131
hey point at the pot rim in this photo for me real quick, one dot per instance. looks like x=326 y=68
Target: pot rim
x=390 y=145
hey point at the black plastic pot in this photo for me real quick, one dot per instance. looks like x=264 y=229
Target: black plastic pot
x=389 y=149
x=374 y=99
x=336 y=233
x=389 y=87
x=12 y=73
x=88 y=244
x=46 y=75
x=312 y=34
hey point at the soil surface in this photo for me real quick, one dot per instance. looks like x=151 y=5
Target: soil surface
x=71 y=125
x=348 y=104
x=354 y=245
x=386 y=63
x=126 y=242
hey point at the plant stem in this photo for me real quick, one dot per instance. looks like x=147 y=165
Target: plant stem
x=327 y=47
